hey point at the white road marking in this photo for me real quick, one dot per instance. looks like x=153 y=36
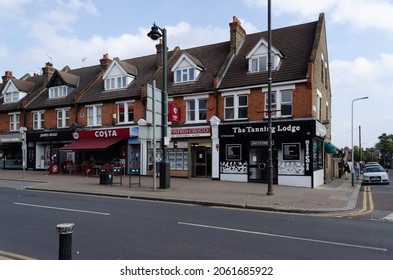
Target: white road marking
x=63 y=209
x=285 y=236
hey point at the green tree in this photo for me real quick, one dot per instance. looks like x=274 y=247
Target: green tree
x=385 y=146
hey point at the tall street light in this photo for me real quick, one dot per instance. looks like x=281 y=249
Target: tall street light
x=269 y=108
x=155 y=34
x=353 y=158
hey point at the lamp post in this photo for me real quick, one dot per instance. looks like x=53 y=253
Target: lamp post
x=155 y=34
x=353 y=154
x=269 y=70
x=22 y=131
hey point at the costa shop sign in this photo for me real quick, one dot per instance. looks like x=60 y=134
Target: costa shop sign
x=200 y=131
x=103 y=133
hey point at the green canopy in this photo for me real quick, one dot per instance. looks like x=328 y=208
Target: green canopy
x=330 y=148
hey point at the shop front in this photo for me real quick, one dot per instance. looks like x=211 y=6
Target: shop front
x=93 y=149
x=11 y=156
x=43 y=148
x=297 y=152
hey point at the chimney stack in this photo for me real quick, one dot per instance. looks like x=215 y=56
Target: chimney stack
x=159 y=47
x=47 y=72
x=105 y=61
x=237 y=33
x=8 y=75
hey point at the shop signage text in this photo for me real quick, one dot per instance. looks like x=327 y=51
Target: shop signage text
x=190 y=132
x=103 y=133
x=249 y=129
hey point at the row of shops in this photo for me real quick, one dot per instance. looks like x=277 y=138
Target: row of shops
x=220 y=151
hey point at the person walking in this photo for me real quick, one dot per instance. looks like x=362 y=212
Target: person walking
x=357 y=170
x=347 y=170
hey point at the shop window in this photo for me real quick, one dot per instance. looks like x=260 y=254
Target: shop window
x=291 y=159
x=317 y=154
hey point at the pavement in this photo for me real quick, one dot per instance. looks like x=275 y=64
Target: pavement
x=336 y=196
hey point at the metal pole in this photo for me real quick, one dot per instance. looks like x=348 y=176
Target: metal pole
x=164 y=164
x=269 y=70
x=352 y=154
x=65 y=240
x=154 y=138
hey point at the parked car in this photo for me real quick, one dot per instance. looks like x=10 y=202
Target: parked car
x=375 y=174
x=371 y=163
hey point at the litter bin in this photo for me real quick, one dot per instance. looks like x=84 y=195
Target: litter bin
x=105 y=176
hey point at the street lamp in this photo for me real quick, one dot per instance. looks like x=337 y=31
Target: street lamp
x=22 y=131
x=155 y=34
x=353 y=155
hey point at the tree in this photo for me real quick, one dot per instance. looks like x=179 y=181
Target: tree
x=385 y=146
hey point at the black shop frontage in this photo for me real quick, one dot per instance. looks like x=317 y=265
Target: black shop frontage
x=297 y=152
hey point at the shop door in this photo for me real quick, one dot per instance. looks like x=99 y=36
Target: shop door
x=30 y=158
x=257 y=163
x=201 y=159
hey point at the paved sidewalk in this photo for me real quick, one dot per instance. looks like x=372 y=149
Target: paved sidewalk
x=336 y=196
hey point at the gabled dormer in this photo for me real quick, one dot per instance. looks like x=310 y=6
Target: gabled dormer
x=187 y=69
x=15 y=90
x=257 y=58
x=119 y=75
x=61 y=84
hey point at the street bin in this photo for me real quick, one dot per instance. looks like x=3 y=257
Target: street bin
x=105 y=176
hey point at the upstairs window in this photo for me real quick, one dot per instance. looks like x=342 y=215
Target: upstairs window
x=38 y=120
x=281 y=103
x=196 y=109
x=63 y=118
x=118 y=82
x=11 y=97
x=59 y=92
x=14 y=121
x=259 y=64
x=185 y=75
x=94 y=115
x=258 y=58
x=125 y=111
x=236 y=106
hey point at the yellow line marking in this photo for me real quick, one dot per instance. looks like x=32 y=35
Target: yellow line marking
x=10 y=256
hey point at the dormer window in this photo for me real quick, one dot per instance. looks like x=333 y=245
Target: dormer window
x=116 y=82
x=59 y=91
x=11 y=97
x=258 y=58
x=185 y=75
x=119 y=75
x=187 y=69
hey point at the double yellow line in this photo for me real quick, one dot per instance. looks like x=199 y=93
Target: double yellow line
x=11 y=256
x=367 y=205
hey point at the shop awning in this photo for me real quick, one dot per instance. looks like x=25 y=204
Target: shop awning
x=330 y=148
x=90 y=144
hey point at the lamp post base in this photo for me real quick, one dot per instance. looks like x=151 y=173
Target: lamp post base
x=165 y=175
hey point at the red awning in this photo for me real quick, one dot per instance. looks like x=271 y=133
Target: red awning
x=90 y=144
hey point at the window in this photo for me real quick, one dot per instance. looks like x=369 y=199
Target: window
x=59 y=92
x=63 y=118
x=185 y=75
x=259 y=64
x=125 y=111
x=94 y=115
x=14 y=121
x=10 y=97
x=38 y=120
x=196 y=110
x=236 y=107
x=116 y=82
x=281 y=103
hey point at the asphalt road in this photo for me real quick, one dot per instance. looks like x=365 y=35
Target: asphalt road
x=112 y=229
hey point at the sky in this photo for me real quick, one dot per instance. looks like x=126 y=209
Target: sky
x=78 y=32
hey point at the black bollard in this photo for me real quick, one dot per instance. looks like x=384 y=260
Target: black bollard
x=65 y=240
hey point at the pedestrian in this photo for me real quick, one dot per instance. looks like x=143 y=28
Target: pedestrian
x=158 y=160
x=357 y=170
x=347 y=170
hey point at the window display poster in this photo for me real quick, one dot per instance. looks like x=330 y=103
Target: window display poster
x=233 y=152
x=291 y=151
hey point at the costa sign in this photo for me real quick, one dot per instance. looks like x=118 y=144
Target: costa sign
x=104 y=133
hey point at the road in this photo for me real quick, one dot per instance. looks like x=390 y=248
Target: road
x=115 y=229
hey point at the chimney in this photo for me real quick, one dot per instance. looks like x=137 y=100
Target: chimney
x=159 y=47
x=105 y=61
x=47 y=72
x=8 y=75
x=237 y=33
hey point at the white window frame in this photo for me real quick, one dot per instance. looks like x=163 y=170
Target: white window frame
x=116 y=82
x=63 y=120
x=126 y=113
x=14 y=121
x=196 y=110
x=11 y=97
x=278 y=102
x=236 y=106
x=59 y=91
x=186 y=74
x=94 y=115
x=38 y=120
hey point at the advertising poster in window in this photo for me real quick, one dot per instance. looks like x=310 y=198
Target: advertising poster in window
x=291 y=161
x=233 y=152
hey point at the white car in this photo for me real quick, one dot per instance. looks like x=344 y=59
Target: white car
x=375 y=175
x=371 y=163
